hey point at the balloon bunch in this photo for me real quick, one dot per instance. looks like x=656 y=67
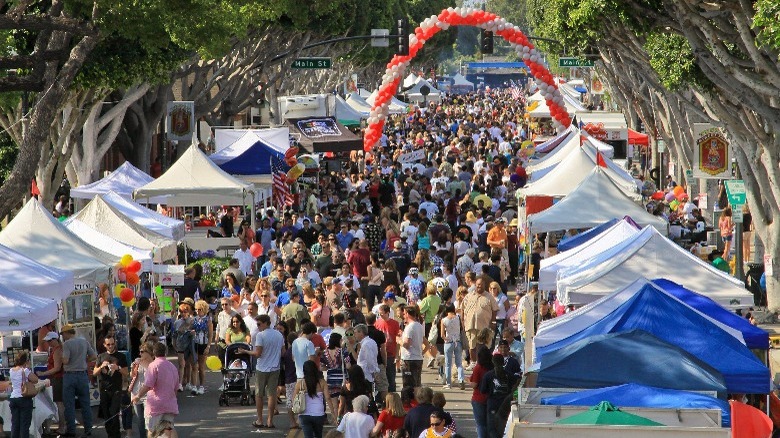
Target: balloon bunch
x=125 y=294
x=128 y=269
x=463 y=17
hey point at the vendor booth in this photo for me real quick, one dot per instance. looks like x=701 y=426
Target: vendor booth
x=324 y=134
x=121 y=181
x=24 y=274
x=166 y=226
x=249 y=155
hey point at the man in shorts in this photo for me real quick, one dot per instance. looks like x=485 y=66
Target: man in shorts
x=268 y=344
x=479 y=311
x=160 y=383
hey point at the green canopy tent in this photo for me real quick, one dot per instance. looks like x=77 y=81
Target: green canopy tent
x=606 y=414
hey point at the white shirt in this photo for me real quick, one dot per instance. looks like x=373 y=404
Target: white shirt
x=245 y=260
x=251 y=325
x=356 y=425
x=270 y=311
x=415 y=332
x=367 y=358
x=452 y=281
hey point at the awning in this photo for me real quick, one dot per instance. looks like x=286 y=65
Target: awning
x=324 y=134
x=637 y=138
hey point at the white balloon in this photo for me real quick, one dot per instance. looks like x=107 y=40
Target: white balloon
x=451 y=9
x=434 y=18
x=500 y=27
x=526 y=56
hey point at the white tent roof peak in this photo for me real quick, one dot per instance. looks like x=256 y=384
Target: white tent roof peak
x=195 y=180
x=594 y=201
x=149 y=219
x=410 y=80
x=651 y=255
x=35 y=233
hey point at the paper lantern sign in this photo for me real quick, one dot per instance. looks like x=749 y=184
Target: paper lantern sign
x=213 y=363
x=256 y=250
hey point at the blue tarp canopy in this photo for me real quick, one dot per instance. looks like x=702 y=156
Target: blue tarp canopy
x=477 y=65
x=631 y=356
x=249 y=155
x=755 y=338
x=633 y=395
x=649 y=308
x=585 y=236
x=581 y=89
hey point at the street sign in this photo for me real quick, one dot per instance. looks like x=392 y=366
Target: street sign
x=575 y=62
x=736 y=215
x=380 y=42
x=311 y=63
x=735 y=190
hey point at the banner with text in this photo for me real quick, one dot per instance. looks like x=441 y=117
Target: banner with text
x=412 y=157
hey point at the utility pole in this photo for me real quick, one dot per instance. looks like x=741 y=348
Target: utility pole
x=738 y=261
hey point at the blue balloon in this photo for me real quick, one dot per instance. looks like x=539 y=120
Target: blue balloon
x=117 y=303
x=762 y=282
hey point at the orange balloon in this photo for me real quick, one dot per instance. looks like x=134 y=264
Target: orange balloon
x=132 y=279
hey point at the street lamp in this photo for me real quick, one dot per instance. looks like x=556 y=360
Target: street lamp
x=660 y=145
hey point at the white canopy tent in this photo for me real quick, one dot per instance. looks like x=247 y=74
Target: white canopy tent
x=396 y=106
x=279 y=137
x=195 y=180
x=543 y=111
x=414 y=94
x=35 y=233
x=537 y=173
x=20 y=311
x=102 y=216
x=536 y=97
x=460 y=81
x=23 y=274
x=359 y=104
x=564 y=177
x=614 y=235
x=571 y=323
x=345 y=113
x=410 y=81
x=595 y=201
x=149 y=219
x=569 y=91
x=121 y=181
x=362 y=92
x=109 y=244
x=649 y=254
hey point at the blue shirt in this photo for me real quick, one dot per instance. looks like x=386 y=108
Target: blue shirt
x=284 y=299
x=272 y=342
x=344 y=239
x=302 y=348
x=266 y=269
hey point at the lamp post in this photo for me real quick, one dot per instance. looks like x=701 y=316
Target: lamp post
x=660 y=145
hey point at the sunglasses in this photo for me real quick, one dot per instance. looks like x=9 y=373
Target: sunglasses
x=349 y=335
x=263 y=296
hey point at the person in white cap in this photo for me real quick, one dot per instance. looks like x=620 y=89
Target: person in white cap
x=54 y=373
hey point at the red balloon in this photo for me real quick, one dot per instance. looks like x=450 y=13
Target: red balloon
x=133 y=279
x=126 y=294
x=256 y=250
x=134 y=267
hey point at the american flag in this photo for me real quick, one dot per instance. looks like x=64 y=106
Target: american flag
x=280 y=188
x=517 y=93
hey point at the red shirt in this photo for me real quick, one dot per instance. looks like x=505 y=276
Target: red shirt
x=476 y=376
x=359 y=259
x=390 y=422
x=390 y=328
x=318 y=341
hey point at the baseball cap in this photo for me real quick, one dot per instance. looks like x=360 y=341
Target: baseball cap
x=414 y=271
x=336 y=281
x=390 y=296
x=51 y=335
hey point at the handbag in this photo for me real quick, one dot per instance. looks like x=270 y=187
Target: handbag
x=28 y=388
x=299 y=401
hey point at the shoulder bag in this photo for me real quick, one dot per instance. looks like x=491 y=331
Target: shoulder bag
x=299 y=401
x=28 y=388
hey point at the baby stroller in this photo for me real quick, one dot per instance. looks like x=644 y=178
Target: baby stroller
x=237 y=371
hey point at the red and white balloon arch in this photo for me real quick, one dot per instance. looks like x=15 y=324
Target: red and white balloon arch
x=463 y=17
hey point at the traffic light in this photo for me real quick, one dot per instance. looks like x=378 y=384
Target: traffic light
x=486 y=42
x=403 y=36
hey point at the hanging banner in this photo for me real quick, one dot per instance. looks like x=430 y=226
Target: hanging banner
x=411 y=157
x=180 y=120
x=711 y=157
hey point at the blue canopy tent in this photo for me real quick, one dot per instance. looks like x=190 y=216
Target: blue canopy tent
x=585 y=236
x=249 y=155
x=648 y=308
x=755 y=338
x=633 y=356
x=634 y=395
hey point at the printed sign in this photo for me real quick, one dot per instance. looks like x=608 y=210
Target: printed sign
x=411 y=157
x=317 y=128
x=180 y=121
x=710 y=152
x=735 y=191
x=768 y=270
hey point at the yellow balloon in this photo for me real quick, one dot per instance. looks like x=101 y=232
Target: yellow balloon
x=125 y=260
x=130 y=303
x=213 y=363
x=118 y=288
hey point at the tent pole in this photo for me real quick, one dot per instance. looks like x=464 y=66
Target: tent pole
x=253 y=210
